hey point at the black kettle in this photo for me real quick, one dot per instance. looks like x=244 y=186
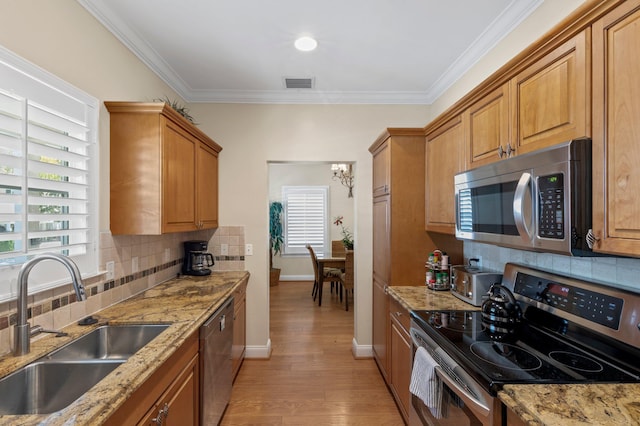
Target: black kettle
x=501 y=314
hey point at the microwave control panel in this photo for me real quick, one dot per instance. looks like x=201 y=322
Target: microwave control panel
x=551 y=202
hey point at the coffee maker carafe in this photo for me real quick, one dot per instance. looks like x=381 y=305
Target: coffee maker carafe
x=196 y=259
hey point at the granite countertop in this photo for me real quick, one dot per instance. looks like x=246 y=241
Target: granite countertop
x=420 y=298
x=593 y=404
x=184 y=302
x=568 y=404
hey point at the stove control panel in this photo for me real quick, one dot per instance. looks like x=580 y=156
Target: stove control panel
x=591 y=305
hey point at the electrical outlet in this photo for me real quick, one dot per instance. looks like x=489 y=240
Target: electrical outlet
x=224 y=249
x=167 y=254
x=134 y=265
x=248 y=249
x=111 y=266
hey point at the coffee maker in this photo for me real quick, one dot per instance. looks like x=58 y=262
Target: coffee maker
x=196 y=259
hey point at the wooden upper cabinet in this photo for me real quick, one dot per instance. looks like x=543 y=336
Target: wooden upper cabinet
x=381 y=170
x=207 y=186
x=616 y=130
x=550 y=98
x=489 y=128
x=444 y=159
x=164 y=171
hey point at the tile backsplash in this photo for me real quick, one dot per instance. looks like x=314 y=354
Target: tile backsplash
x=159 y=258
x=620 y=272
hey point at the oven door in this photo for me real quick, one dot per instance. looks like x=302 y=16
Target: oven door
x=498 y=209
x=464 y=401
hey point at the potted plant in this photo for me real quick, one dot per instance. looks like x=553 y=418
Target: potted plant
x=276 y=239
x=347 y=236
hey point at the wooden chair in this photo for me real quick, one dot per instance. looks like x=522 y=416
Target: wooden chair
x=347 y=278
x=337 y=248
x=320 y=277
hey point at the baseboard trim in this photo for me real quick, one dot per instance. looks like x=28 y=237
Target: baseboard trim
x=258 y=352
x=361 y=351
x=296 y=277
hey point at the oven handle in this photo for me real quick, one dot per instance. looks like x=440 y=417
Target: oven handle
x=468 y=399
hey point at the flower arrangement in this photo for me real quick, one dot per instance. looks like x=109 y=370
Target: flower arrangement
x=347 y=236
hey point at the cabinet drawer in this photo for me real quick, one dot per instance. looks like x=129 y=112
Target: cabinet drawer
x=400 y=313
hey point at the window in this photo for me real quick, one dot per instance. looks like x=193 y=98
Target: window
x=48 y=172
x=305 y=218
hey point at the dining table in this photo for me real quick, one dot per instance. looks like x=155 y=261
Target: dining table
x=328 y=260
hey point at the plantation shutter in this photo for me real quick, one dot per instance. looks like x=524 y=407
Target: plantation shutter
x=47 y=167
x=305 y=217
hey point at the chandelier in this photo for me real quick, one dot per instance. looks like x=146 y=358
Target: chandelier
x=344 y=173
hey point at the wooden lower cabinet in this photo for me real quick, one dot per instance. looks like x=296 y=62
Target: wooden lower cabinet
x=173 y=390
x=176 y=405
x=400 y=357
x=239 y=328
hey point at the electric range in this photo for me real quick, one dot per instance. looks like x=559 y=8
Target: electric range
x=571 y=331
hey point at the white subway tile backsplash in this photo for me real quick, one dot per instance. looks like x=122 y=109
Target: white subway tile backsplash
x=618 y=272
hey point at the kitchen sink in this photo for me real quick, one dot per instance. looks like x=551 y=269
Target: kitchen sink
x=109 y=342
x=56 y=380
x=45 y=387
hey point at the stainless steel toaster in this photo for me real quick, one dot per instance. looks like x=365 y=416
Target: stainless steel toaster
x=471 y=284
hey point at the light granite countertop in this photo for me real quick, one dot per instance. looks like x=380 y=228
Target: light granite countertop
x=184 y=302
x=566 y=405
x=420 y=298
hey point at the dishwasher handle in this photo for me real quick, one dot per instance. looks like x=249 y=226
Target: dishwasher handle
x=217 y=322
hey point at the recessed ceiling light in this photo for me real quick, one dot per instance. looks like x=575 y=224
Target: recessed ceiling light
x=306 y=44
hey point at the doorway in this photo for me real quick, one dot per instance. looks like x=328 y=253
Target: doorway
x=295 y=264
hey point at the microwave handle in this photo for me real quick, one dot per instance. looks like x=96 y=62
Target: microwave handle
x=457 y=212
x=518 y=206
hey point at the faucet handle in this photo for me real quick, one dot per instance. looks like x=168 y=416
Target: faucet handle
x=37 y=329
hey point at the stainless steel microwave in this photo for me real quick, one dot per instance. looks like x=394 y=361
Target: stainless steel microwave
x=539 y=201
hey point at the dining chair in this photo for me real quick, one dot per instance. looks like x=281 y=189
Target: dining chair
x=320 y=277
x=347 y=278
x=337 y=248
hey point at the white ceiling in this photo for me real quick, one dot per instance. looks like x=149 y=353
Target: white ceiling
x=369 y=51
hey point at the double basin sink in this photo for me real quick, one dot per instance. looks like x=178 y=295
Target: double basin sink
x=54 y=381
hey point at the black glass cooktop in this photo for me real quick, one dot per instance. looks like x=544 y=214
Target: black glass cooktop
x=530 y=355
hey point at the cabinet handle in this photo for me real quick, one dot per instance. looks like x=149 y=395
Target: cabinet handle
x=501 y=151
x=398 y=314
x=510 y=150
x=163 y=413
x=592 y=240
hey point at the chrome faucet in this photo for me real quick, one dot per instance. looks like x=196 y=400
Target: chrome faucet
x=22 y=332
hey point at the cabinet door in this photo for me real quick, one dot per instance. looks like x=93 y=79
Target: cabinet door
x=382 y=170
x=381 y=270
x=179 y=179
x=444 y=159
x=380 y=327
x=239 y=329
x=550 y=98
x=400 y=366
x=207 y=187
x=489 y=128
x=616 y=131
x=179 y=404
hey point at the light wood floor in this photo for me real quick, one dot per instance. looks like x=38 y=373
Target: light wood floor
x=312 y=377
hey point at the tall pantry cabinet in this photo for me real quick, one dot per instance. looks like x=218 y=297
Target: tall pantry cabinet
x=400 y=243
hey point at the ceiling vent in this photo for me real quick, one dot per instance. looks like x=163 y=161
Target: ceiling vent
x=298 y=83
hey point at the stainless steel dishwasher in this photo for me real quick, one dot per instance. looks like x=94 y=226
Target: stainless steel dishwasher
x=216 y=340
